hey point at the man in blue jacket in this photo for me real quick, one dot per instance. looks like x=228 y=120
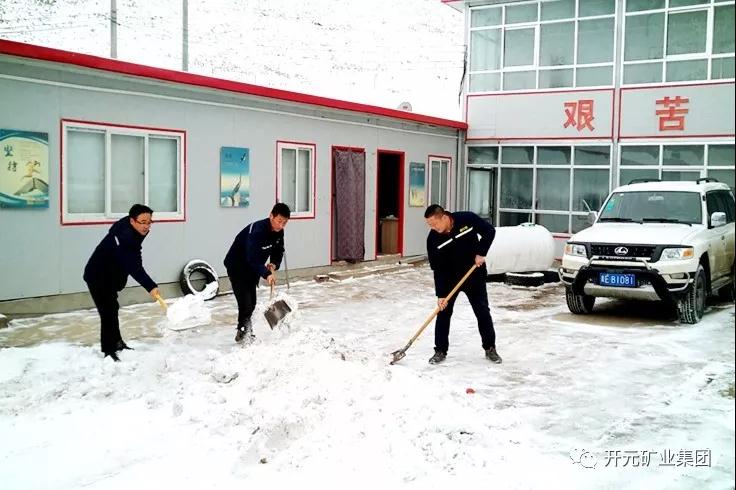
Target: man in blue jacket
x=256 y=253
x=456 y=242
x=117 y=256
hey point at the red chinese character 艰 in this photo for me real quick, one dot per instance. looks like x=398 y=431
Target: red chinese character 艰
x=672 y=118
x=579 y=114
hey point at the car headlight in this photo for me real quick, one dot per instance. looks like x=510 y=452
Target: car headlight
x=679 y=253
x=575 y=249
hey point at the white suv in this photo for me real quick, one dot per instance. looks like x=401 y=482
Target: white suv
x=670 y=241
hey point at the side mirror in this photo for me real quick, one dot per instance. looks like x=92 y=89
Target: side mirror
x=592 y=216
x=717 y=219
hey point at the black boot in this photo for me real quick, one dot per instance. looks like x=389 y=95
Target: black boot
x=123 y=346
x=113 y=356
x=438 y=357
x=244 y=333
x=493 y=356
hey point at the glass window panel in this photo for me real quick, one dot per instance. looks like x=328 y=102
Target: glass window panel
x=627 y=175
x=517 y=155
x=638 y=5
x=555 y=223
x=687 y=70
x=670 y=175
x=553 y=189
x=595 y=40
x=304 y=186
x=485 y=49
x=485 y=17
x=514 y=219
x=553 y=155
x=485 y=82
x=163 y=175
x=288 y=177
x=556 y=44
x=443 y=188
x=127 y=171
x=644 y=37
x=722 y=68
x=556 y=78
x=518 y=80
x=723 y=28
x=85 y=172
x=595 y=76
x=482 y=155
x=519 y=47
x=691 y=155
x=590 y=186
x=592 y=155
x=640 y=155
x=725 y=176
x=589 y=8
x=721 y=155
x=516 y=188
x=479 y=192
x=643 y=73
x=521 y=13
x=579 y=223
x=683 y=3
x=686 y=32
x=558 y=9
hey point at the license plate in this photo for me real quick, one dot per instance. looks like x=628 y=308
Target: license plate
x=617 y=280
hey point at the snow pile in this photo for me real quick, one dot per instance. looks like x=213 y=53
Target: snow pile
x=524 y=248
x=190 y=310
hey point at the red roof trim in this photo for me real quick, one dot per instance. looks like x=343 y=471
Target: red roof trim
x=115 y=66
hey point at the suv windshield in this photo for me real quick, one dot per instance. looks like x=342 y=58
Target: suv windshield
x=653 y=206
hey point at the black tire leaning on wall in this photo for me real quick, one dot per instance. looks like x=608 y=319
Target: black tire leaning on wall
x=202 y=267
x=526 y=279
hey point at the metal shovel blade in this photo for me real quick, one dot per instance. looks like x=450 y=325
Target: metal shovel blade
x=397 y=356
x=276 y=312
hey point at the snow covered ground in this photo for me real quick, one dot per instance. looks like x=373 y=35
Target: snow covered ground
x=577 y=403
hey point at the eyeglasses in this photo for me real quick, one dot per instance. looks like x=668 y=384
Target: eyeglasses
x=144 y=223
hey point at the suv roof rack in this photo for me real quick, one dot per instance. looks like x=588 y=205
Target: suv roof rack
x=706 y=179
x=639 y=181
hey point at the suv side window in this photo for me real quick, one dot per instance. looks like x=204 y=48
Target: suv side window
x=714 y=205
x=727 y=205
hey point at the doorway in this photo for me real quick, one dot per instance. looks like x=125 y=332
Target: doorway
x=390 y=202
x=348 y=204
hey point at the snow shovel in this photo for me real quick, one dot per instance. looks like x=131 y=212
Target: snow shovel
x=401 y=353
x=162 y=302
x=276 y=311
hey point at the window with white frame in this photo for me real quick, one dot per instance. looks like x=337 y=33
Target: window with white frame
x=439 y=181
x=541 y=45
x=107 y=169
x=296 y=172
x=678 y=40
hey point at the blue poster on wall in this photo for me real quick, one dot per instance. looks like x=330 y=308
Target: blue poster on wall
x=24 y=169
x=416 y=184
x=234 y=177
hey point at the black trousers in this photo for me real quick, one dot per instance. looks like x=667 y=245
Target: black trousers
x=244 y=288
x=475 y=289
x=106 y=301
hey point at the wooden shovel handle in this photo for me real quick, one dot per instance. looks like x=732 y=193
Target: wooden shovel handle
x=162 y=302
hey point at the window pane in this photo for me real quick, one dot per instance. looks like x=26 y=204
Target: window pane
x=643 y=73
x=163 y=175
x=553 y=155
x=723 y=26
x=485 y=82
x=579 y=223
x=514 y=219
x=288 y=177
x=686 y=32
x=521 y=13
x=687 y=70
x=725 y=176
x=479 y=192
x=517 y=155
x=593 y=155
x=516 y=188
x=558 y=9
x=627 y=175
x=722 y=68
x=669 y=175
x=304 y=186
x=683 y=155
x=556 y=44
x=443 y=188
x=640 y=155
x=85 y=172
x=519 y=47
x=721 y=155
x=589 y=186
x=519 y=80
x=595 y=76
x=596 y=7
x=553 y=189
x=556 y=78
x=644 y=37
x=638 y=5
x=595 y=41
x=127 y=153
x=485 y=49
x=555 y=223
x=683 y=3
x=485 y=17
x=482 y=155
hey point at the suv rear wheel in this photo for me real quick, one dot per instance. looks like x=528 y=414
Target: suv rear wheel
x=579 y=304
x=691 y=306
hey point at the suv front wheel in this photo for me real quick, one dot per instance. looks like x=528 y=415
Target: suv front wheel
x=579 y=304
x=691 y=306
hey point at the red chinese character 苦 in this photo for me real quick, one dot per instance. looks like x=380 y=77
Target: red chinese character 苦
x=579 y=114
x=672 y=118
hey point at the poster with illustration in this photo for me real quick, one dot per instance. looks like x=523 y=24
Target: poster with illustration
x=416 y=184
x=234 y=177
x=24 y=169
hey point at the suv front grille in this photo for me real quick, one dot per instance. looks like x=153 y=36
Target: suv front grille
x=640 y=251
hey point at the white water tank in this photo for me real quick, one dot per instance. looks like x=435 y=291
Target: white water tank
x=524 y=248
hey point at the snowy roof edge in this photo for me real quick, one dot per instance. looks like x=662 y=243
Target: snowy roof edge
x=24 y=50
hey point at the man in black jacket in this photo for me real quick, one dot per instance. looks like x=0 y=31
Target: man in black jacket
x=117 y=256
x=256 y=253
x=456 y=242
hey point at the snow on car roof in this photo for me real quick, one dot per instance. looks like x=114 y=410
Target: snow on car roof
x=685 y=186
